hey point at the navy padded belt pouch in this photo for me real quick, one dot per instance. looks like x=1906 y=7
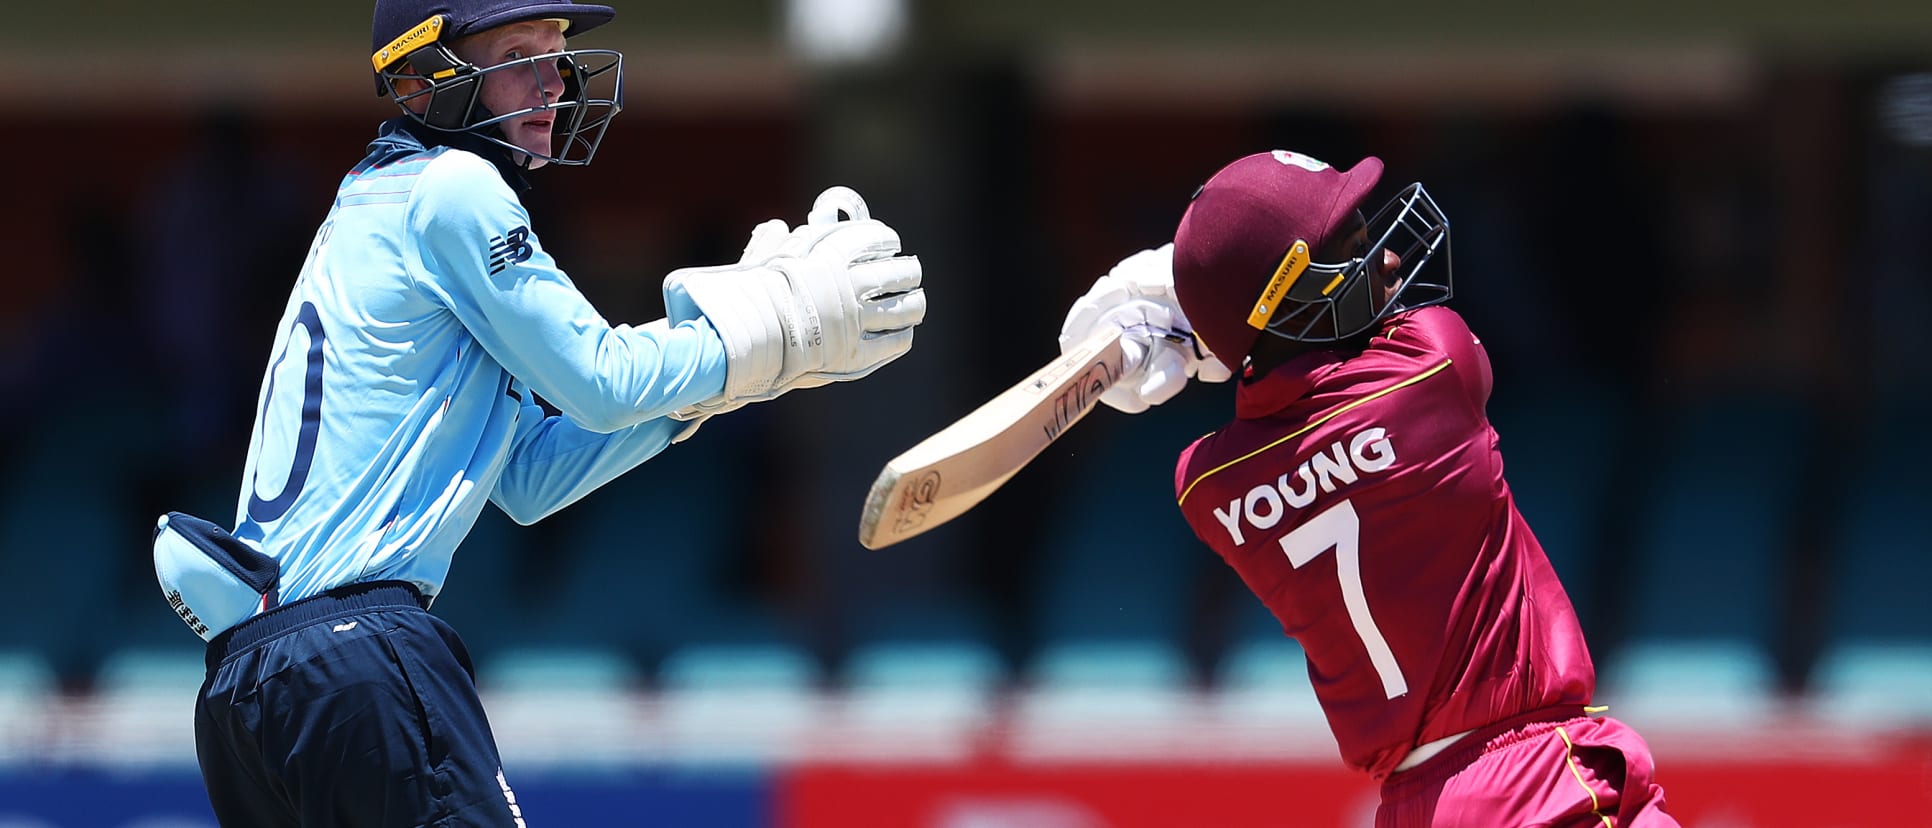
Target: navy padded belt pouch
x=212 y=579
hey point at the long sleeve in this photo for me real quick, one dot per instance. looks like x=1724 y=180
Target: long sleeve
x=496 y=278
x=554 y=462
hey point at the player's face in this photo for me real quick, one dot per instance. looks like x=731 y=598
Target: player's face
x=511 y=90
x=1354 y=243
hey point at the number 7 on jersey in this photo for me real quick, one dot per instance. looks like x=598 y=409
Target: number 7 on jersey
x=1339 y=528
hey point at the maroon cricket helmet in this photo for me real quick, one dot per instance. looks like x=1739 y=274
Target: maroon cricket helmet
x=1241 y=227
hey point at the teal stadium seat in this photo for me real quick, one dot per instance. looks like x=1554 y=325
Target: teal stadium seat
x=1109 y=666
x=1112 y=607
x=1560 y=447
x=1876 y=666
x=1121 y=563
x=570 y=708
x=1688 y=683
x=142 y=710
x=1263 y=668
x=1265 y=705
x=28 y=690
x=892 y=637
x=483 y=597
x=1116 y=700
x=1268 y=675
x=702 y=668
x=646 y=560
x=1710 y=565
x=916 y=700
x=743 y=706
x=74 y=546
x=558 y=669
x=963 y=666
x=1885 y=685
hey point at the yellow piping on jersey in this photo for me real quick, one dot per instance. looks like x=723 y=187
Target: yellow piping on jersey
x=1569 y=758
x=1305 y=429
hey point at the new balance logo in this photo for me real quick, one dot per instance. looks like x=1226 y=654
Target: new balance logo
x=510 y=248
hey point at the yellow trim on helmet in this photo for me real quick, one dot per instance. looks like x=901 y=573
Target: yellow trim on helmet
x=1291 y=267
x=422 y=34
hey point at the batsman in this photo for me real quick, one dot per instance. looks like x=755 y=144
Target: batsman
x=402 y=397
x=1359 y=493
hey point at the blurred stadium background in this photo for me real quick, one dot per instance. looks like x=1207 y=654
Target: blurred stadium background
x=1696 y=237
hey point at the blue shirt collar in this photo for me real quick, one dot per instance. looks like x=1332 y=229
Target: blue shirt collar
x=402 y=136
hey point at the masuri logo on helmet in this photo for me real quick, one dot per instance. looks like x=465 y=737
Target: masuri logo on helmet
x=410 y=40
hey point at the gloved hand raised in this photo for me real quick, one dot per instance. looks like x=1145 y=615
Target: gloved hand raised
x=1137 y=296
x=829 y=301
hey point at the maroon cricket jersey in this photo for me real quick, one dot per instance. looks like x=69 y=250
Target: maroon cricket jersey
x=1362 y=499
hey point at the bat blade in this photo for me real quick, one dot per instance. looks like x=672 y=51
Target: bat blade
x=951 y=471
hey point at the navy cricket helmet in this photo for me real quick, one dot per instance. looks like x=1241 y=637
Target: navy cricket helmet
x=410 y=40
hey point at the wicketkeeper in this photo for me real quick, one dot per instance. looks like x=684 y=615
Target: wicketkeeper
x=401 y=397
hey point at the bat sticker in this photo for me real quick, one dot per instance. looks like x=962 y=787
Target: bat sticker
x=917 y=502
x=1078 y=399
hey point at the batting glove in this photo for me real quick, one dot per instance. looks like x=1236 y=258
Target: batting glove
x=1161 y=352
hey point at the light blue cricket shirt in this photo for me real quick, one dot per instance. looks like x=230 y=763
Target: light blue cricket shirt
x=397 y=398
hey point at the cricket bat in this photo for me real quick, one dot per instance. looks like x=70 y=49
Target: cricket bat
x=953 y=470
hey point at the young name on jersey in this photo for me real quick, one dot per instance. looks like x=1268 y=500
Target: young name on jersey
x=1366 y=452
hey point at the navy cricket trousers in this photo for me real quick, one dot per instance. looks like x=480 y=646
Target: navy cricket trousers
x=352 y=708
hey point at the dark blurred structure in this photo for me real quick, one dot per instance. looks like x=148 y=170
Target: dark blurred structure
x=1699 y=271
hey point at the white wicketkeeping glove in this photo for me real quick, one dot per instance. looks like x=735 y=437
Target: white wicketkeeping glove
x=829 y=301
x=1137 y=296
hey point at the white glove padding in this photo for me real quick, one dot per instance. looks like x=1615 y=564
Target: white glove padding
x=765 y=240
x=1161 y=352
x=830 y=301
